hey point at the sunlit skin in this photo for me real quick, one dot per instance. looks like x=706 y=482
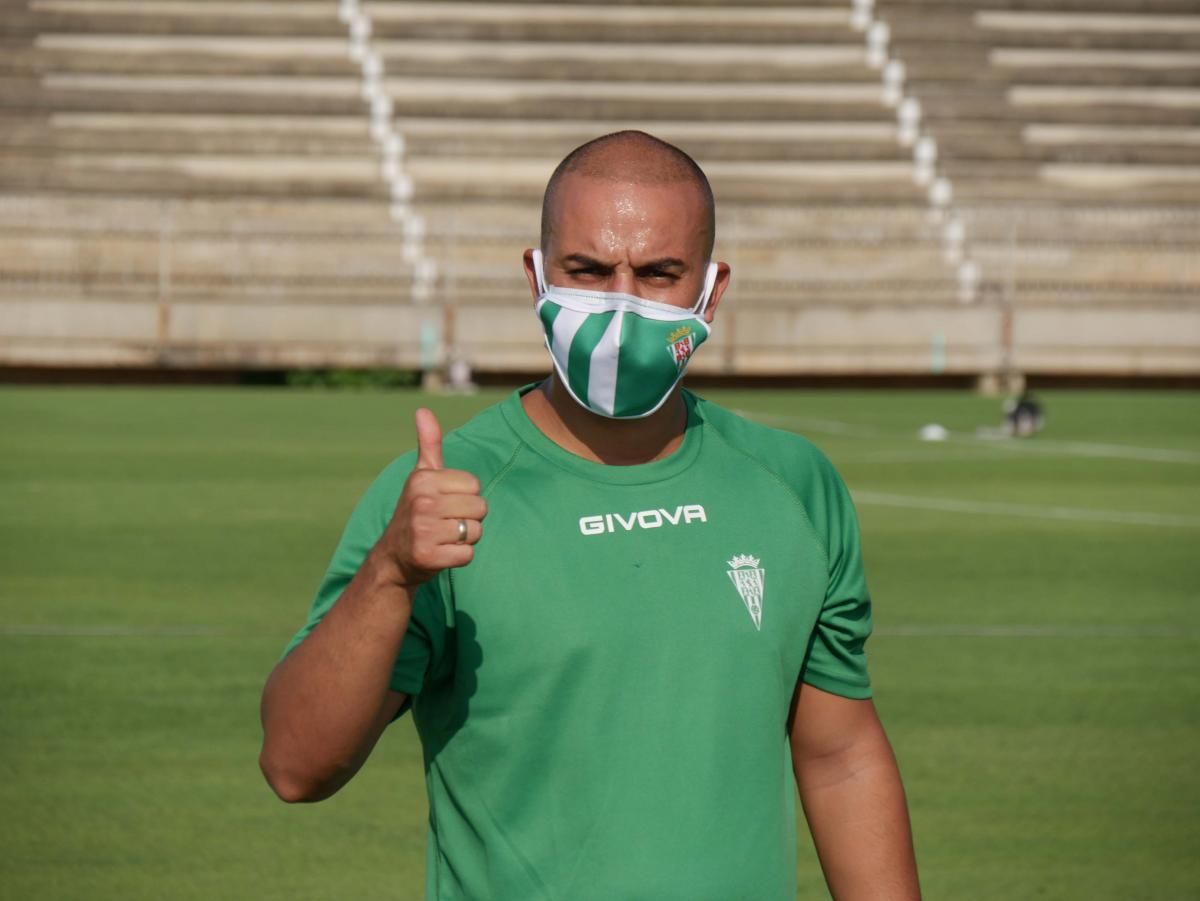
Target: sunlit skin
x=618 y=236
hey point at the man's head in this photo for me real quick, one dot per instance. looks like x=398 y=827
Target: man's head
x=630 y=213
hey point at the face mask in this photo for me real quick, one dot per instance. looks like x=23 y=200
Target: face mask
x=619 y=356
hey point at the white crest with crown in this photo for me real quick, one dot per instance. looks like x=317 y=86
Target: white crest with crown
x=681 y=344
x=748 y=579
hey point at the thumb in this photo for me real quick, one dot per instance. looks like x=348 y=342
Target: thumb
x=429 y=440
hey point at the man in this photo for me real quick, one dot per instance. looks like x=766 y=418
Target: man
x=661 y=627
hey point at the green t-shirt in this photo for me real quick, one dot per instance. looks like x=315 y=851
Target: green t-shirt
x=602 y=695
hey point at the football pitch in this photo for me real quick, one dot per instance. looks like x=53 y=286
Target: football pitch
x=1036 y=656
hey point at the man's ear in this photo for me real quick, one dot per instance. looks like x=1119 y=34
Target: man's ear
x=530 y=272
x=719 y=286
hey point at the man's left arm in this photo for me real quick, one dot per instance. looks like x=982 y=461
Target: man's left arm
x=853 y=798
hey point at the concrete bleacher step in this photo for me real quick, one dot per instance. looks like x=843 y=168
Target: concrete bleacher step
x=778 y=294
x=1095 y=68
x=499 y=232
x=1014 y=67
x=690 y=4
x=185 y=93
x=648 y=24
x=208 y=259
x=442 y=137
x=224 y=55
x=940 y=7
x=1088 y=226
x=1110 y=264
x=1139 y=155
x=962 y=108
x=53 y=137
x=1071 y=183
x=304 y=18
x=600 y=22
x=181 y=55
x=1069 y=104
x=83 y=288
x=719 y=62
x=431 y=97
x=692 y=101
x=960 y=27
x=214 y=334
x=334 y=135
x=70 y=213
x=194 y=134
x=771 y=182
x=778 y=182
x=778 y=261
x=191 y=175
x=488 y=291
x=1040 y=142
x=487 y=295
x=1086 y=296
x=501 y=219
x=741 y=141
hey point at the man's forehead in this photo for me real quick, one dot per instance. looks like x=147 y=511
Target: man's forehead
x=599 y=188
x=660 y=216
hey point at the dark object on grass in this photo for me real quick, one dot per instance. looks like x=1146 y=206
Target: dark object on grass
x=1023 y=416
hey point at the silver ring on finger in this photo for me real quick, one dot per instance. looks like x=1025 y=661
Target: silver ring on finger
x=462 y=532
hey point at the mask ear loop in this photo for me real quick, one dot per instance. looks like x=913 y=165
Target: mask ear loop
x=538 y=272
x=710 y=280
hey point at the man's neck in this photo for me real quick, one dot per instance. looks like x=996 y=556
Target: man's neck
x=616 y=442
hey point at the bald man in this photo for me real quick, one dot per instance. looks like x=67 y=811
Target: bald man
x=660 y=632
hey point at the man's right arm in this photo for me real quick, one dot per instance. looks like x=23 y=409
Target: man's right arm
x=326 y=704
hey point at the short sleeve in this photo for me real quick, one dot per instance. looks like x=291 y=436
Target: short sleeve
x=836 y=660
x=424 y=641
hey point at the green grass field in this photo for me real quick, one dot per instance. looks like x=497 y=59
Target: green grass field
x=1037 y=656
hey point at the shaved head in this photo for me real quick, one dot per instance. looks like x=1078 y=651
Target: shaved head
x=630 y=157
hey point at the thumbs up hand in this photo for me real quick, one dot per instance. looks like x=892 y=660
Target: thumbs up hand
x=439 y=516
x=429 y=440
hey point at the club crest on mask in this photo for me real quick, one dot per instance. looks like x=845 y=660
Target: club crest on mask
x=680 y=344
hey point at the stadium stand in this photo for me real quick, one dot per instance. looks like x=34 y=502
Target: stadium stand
x=1068 y=129
x=904 y=186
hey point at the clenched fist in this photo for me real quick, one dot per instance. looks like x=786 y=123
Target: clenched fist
x=439 y=515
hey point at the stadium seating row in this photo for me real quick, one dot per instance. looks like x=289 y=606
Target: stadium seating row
x=185 y=167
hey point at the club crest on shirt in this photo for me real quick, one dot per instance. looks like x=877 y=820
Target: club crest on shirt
x=747 y=578
x=680 y=344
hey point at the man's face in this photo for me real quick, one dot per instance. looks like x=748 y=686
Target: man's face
x=645 y=240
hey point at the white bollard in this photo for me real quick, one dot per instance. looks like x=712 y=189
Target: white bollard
x=878 y=36
x=941 y=193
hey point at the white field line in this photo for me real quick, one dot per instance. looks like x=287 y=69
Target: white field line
x=1090 y=449
x=1019 y=630
x=813 y=424
x=916 y=455
x=1035 y=445
x=94 y=630
x=1025 y=511
x=925 y=630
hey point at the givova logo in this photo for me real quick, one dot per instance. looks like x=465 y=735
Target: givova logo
x=603 y=523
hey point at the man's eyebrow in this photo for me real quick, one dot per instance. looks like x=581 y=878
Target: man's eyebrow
x=582 y=259
x=663 y=263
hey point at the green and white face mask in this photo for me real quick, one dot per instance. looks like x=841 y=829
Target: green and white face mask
x=619 y=356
